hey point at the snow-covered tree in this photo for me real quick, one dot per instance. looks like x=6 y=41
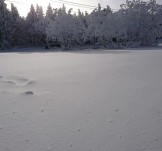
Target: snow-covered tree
x=40 y=26
x=141 y=24
x=94 y=32
x=113 y=30
x=21 y=35
x=66 y=29
x=5 y=25
x=31 y=21
x=50 y=13
x=158 y=18
x=2 y=21
x=14 y=24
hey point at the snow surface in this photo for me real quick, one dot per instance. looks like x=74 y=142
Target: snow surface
x=83 y=101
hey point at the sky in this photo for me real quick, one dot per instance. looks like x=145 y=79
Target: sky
x=23 y=6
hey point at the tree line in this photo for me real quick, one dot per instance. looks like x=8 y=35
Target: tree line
x=136 y=23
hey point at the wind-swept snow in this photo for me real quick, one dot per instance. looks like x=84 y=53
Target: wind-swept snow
x=84 y=101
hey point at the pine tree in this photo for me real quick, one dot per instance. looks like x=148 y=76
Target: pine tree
x=39 y=11
x=5 y=25
x=40 y=26
x=15 y=20
x=50 y=13
x=31 y=26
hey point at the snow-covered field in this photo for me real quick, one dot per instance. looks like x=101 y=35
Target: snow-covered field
x=83 y=101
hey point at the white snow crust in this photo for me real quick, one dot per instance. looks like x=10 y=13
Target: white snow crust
x=81 y=101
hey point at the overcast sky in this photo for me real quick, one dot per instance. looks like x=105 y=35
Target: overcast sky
x=24 y=5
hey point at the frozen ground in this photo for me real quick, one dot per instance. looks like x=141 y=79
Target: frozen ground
x=92 y=101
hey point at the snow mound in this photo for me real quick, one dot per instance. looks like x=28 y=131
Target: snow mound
x=28 y=93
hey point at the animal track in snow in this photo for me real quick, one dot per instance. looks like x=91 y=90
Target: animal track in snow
x=16 y=80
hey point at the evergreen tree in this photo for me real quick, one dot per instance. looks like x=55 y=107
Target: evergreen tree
x=39 y=11
x=14 y=19
x=5 y=25
x=50 y=13
x=22 y=35
x=40 y=26
x=31 y=26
